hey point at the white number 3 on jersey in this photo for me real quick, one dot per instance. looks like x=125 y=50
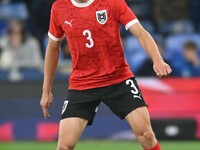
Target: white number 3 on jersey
x=89 y=38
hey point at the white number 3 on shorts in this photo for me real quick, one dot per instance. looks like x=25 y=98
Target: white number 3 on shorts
x=64 y=106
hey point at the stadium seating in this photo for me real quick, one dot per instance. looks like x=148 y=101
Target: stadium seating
x=135 y=55
x=174 y=44
x=176 y=27
x=13 y=11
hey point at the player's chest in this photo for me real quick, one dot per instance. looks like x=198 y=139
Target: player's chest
x=75 y=22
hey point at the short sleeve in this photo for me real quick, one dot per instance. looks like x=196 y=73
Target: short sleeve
x=125 y=15
x=55 y=30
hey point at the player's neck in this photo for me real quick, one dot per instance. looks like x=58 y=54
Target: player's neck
x=81 y=1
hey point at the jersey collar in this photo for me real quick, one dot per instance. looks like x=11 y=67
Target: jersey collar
x=82 y=4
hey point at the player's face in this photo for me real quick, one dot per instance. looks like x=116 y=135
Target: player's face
x=190 y=53
x=15 y=35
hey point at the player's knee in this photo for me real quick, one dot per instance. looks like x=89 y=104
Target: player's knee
x=147 y=136
x=66 y=147
x=147 y=139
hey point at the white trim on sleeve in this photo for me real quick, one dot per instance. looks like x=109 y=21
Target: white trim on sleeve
x=55 y=38
x=128 y=25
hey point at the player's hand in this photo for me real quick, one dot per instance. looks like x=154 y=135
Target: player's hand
x=45 y=103
x=161 y=68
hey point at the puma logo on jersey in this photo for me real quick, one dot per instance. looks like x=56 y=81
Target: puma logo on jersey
x=69 y=23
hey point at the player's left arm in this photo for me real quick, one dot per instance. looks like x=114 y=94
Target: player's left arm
x=146 y=41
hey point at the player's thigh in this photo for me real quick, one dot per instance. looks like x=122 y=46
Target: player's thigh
x=125 y=98
x=70 y=131
x=80 y=104
x=139 y=121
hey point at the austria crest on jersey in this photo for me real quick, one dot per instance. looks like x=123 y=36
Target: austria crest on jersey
x=102 y=16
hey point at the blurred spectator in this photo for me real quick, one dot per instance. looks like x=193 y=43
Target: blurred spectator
x=39 y=19
x=166 y=12
x=194 y=8
x=142 y=8
x=146 y=69
x=65 y=50
x=65 y=64
x=19 y=49
x=189 y=65
x=176 y=27
x=134 y=53
x=170 y=10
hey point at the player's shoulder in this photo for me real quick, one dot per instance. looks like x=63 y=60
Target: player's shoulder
x=59 y=3
x=116 y=1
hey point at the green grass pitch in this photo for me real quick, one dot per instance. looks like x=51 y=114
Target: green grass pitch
x=101 y=145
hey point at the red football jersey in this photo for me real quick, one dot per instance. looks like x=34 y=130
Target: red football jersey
x=93 y=34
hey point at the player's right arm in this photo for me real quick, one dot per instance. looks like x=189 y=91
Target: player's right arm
x=55 y=34
x=50 y=65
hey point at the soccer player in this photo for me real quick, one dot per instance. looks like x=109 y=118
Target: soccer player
x=99 y=70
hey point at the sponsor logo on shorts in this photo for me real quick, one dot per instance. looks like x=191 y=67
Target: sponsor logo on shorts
x=96 y=109
x=64 y=106
x=138 y=96
x=134 y=91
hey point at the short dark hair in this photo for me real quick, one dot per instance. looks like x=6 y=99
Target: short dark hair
x=190 y=45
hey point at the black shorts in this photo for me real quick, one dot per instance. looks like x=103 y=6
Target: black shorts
x=121 y=98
